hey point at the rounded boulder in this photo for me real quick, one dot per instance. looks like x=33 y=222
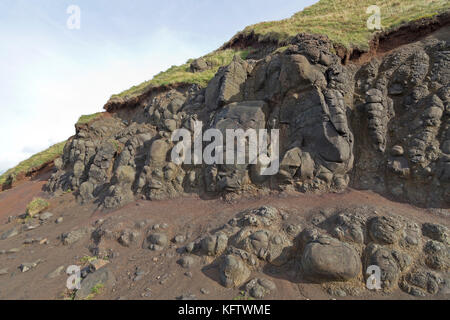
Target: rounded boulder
x=327 y=259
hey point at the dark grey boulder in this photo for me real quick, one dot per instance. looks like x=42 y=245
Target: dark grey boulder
x=233 y=271
x=102 y=278
x=327 y=259
x=376 y=255
x=436 y=232
x=198 y=65
x=385 y=229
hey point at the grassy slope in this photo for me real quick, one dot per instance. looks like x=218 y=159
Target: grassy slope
x=35 y=161
x=345 y=21
x=182 y=74
x=45 y=156
x=88 y=118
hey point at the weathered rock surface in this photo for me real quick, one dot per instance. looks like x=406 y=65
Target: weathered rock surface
x=327 y=259
x=381 y=125
x=260 y=288
x=27 y=266
x=186 y=262
x=333 y=247
x=436 y=232
x=101 y=279
x=74 y=236
x=233 y=271
x=10 y=233
x=156 y=241
x=128 y=237
x=390 y=114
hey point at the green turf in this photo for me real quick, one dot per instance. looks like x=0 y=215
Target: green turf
x=182 y=74
x=35 y=161
x=88 y=118
x=345 y=21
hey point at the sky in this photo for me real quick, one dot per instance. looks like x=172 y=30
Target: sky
x=51 y=74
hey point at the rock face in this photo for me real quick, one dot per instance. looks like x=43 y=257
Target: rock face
x=327 y=259
x=390 y=114
x=335 y=248
x=436 y=232
x=99 y=280
x=385 y=230
x=74 y=236
x=403 y=100
x=233 y=272
x=260 y=288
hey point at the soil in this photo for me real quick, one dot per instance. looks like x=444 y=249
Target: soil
x=15 y=200
x=163 y=278
x=384 y=42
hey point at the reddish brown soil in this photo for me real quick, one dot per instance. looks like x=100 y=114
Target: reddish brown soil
x=185 y=214
x=385 y=42
x=118 y=103
x=32 y=174
x=14 y=201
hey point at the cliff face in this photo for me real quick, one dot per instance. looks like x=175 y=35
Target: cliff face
x=347 y=119
x=380 y=122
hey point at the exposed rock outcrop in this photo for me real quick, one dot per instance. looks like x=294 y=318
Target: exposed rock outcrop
x=312 y=249
x=382 y=125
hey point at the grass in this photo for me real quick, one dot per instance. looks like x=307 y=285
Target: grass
x=182 y=74
x=345 y=21
x=281 y=49
x=95 y=291
x=39 y=159
x=88 y=118
x=117 y=145
x=87 y=259
x=37 y=205
x=35 y=161
x=97 y=288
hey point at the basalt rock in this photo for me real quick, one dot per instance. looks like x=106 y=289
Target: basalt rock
x=327 y=259
x=332 y=247
x=403 y=98
x=437 y=255
x=436 y=232
x=233 y=272
x=260 y=288
x=381 y=125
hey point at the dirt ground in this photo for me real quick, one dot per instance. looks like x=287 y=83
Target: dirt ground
x=14 y=201
x=162 y=277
